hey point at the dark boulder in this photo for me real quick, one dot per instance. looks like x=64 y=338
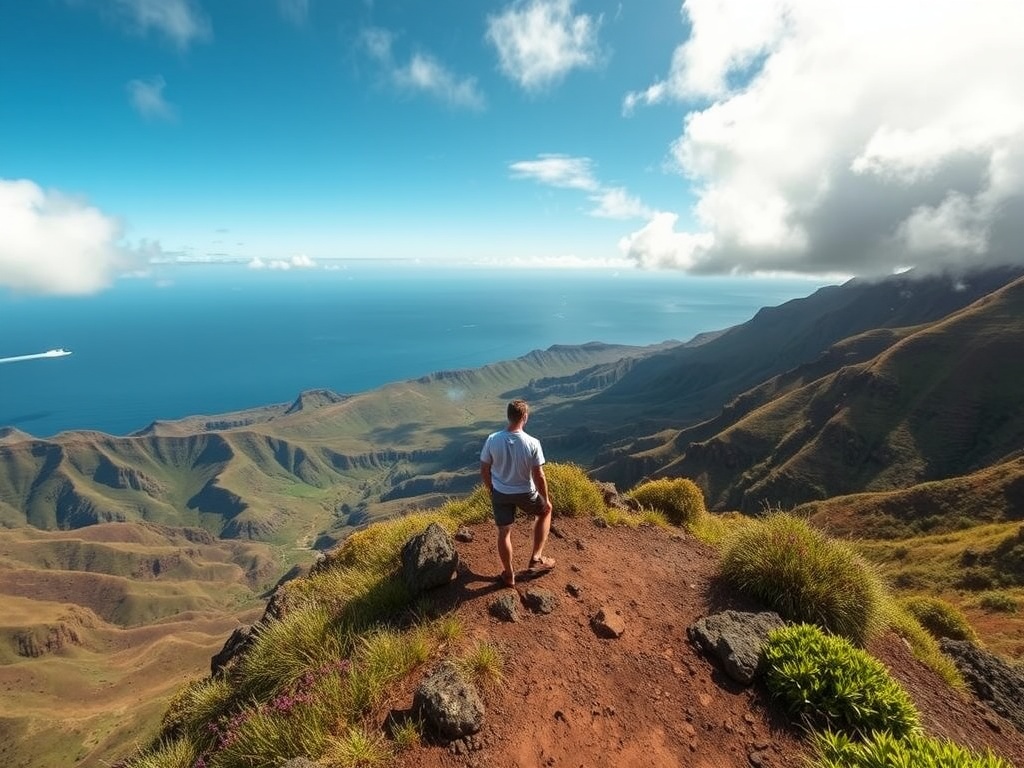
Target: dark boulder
x=993 y=681
x=429 y=559
x=449 y=705
x=736 y=638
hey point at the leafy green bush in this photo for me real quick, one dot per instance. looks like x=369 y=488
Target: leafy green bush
x=940 y=618
x=828 y=681
x=1002 y=602
x=679 y=498
x=804 y=575
x=881 y=750
x=572 y=492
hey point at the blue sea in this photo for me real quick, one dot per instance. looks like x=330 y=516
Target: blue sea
x=208 y=339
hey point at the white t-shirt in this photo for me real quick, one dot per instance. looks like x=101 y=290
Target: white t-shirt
x=512 y=456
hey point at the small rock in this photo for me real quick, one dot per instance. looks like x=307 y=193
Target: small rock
x=600 y=522
x=575 y=568
x=758 y=759
x=540 y=600
x=505 y=607
x=560 y=715
x=557 y=532
x=580 y=545
x=574 y=589
x=464 y=534
x=608 y=623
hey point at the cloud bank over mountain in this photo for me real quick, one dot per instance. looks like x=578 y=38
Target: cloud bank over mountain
x=844 y=138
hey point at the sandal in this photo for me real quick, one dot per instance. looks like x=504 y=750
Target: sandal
x=541 y=564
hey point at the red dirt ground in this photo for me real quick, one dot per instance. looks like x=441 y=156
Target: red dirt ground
x=570 y=698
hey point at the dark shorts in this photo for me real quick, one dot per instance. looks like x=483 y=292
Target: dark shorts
x=504 y=505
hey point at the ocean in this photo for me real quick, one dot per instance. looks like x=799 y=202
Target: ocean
x=209 y=339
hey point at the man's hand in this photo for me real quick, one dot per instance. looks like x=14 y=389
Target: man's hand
x=485 y=476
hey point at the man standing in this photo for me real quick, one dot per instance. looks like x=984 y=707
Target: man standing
x=512 y=469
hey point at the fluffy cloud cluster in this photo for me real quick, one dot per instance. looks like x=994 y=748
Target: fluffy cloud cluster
x=181 y=21
x=578 y=173
x=845 y=137
x=540 y=41
x=422 y=72
x=299 y=261
x=55 y=244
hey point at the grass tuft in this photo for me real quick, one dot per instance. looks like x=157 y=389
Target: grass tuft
x=923 y=644
x=169 y=753
x=882 y=750
x=998 y=602
x=358 y=749
x=572 y=492
x=483 y=664
x=406 y=734
x=679 y=499
x=804 y=575
x=940 y=618
x=826 y=680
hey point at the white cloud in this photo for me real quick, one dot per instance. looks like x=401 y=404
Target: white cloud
x=540 y=41
x=299 y=261
x=181 y=21
x=657 y=245
x=295 y=11
x=564 y=261
x=422 y=72
x=846 y=137
x=147 y=96
x=56 y=244
x=558 y=171
x=568 y=172
x=617 y=203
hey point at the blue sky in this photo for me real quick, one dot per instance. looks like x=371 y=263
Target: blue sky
x=796 y=136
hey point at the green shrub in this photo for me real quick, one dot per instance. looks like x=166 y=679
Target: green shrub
x=679 y=498
x=572 y=492
x=940 y=618
x=832 y=684
x=1002 y=602
x=804 y=575
x=882 y=750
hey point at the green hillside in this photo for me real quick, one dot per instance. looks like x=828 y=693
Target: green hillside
x=943 y=400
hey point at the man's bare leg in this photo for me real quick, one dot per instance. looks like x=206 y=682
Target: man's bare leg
x=541 y=528
x=508 y=573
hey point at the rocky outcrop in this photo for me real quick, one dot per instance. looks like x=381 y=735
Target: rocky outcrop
x=234 y=646
x=993 y=680
x=449 y=705
x=736 y=638
x=429 y=560
x=39 y=641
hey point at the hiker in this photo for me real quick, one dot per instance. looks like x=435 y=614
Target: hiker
x=512 y=469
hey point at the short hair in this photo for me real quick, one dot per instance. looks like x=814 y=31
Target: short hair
x=517 y=411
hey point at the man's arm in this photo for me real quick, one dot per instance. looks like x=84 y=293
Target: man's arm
x=541 y=482
x=485 y=476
